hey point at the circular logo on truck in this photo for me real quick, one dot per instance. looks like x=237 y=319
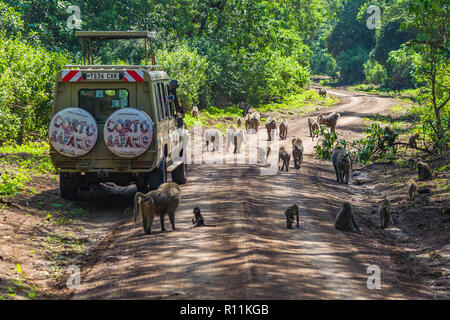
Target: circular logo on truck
x=128 y=132
x=73 y=132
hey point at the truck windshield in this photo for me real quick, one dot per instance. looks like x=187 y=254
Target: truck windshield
x=101 y=103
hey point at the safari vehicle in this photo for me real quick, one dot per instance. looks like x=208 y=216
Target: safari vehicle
x=119 y=124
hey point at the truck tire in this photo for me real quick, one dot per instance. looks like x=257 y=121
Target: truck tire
x=179 y=174
x=68 y=186
x=158 y=176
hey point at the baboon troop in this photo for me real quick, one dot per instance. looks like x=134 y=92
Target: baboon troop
x=198 y=220
x=291 y=213
x=195 y=112
x=329 y=121
x=323 y=92
x=345 y=220
x=342 y=162
x=413 y=140
x=297 y=152
x=412 y=190
x=213 y=136
x=235 y=137
x=424 y=171
x=271 y=124
x=313 y=126
x=164 y=200
x=384 y=212
x=283 y=129
x=283 y=156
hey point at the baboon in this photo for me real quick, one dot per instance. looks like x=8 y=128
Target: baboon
x=195 y=112
x=412 y=189
x=254 y=120
x=164 y=200
x=291 y=213
x=412 y=140
x=236 y=137
x=213 y=136
x=283 y=129
x=271 y=124
x=198 y=220
x=389 y=137
x=285 y=157
x=239 y=123
x=313 y=126
x=323 y=92
x=345 y=220
x=424 y=171
x=263 y=154
x=384 y=212
x=297 y=152
x=342 y=162
x=329 y=121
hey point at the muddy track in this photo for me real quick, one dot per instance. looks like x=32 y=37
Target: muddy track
x=247 y=252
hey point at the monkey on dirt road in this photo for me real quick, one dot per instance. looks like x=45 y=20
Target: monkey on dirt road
x=283 y=156
x=345 y=220
x=198 y=219
x=342 y=163
x=329 y=121
x=424 y=171
x=384 y=212
x=164 y=200
x=291 y=213
x=313 y=126
x=297 y=152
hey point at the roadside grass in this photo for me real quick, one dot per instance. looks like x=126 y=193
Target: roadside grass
x=299 y=103
x=408 y=94
x=19 y=164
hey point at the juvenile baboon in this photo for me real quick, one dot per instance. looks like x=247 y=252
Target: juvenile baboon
x=283 y=129
x=291 y=213
x=323 y=92
x=342 y=163
x=254 y=120
x=384 y=212
x=345 y=220
x=239 y=123
x=313 y=126
x=164 y=200
x=297 y=152
x=285 y=157
x=412 y=189
x=330 y=120
x=198 y=220
x=412 y=140
x=213 y=136
x=271 y=124
x=263 y=154
x=424 y=171
x=195 y=112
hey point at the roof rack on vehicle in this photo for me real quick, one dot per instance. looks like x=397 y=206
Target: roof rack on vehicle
x=90 y=36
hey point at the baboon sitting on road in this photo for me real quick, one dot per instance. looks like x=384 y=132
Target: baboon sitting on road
x=198 y=220
x=297 y=152
x=424 y=171
x=291 y=213
x=323 y=92
x=345 y=220
x=164 y=200
x=384 y=211
x=412 y=189
x=285 y=157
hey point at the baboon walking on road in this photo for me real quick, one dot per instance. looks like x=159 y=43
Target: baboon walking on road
x=284 y=156
x=329 y=121
x=384 y=211
x=164 y=200
x=345 y=220
x=271 y=124
x=297 y=152
x=291 y=213
x=412 y=189
x=313 y=126
x=342 y=163
x=283 y=129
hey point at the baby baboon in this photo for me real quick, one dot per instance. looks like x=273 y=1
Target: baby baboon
x=345 y=220
x=342 y=163
x=384 y=212
x=323 y=92
x=198 y=220
x=195 y=112
x=424 y=171
x=283 y=129
x=271 y=124
x=412 y=140
x=329 y=121
x=283 y=155
x=297 y=152
x=412 y=189
x=291 y=213
x=313 y=126
x=164 y=200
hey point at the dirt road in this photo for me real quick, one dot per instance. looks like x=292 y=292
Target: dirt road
x=247 y=252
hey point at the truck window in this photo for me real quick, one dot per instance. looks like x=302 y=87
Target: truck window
x=101 y=103
x=162 y=100
x=158 y=102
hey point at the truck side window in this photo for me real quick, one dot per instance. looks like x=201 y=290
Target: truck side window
x=158 y=102
x=162 y=100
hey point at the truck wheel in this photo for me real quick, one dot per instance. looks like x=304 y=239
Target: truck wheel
x=158 y=176
x=68 y=186
x=179 y=174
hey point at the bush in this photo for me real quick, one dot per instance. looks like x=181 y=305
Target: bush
x=375 y=73
x=402 y=69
